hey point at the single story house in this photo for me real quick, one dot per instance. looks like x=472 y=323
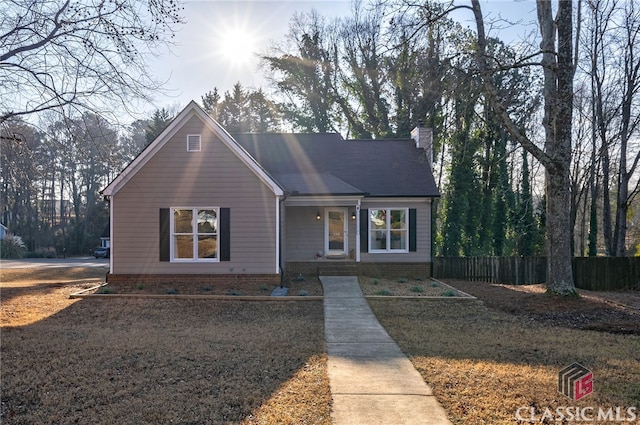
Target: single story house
x=200 y=204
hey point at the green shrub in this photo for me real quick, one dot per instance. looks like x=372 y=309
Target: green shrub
x=417 y=289
x=171 y=291
x=449 y=293
x=403 y=280
x=303 y=293
x=385 y=292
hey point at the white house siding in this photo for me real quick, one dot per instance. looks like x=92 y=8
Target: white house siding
x=213 y=177
x=423 y=231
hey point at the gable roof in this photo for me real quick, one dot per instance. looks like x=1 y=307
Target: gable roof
x=322 y=164
x=311 y=164
x=189 y=111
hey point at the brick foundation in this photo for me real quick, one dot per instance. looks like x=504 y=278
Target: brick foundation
x=203 y=279
x=408 y=270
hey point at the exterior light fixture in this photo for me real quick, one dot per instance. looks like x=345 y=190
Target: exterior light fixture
x=353 y=215
x=318 y=216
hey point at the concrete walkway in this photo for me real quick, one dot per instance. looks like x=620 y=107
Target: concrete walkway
x=372 y=381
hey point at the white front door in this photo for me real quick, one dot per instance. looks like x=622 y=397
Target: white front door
x=335 y=231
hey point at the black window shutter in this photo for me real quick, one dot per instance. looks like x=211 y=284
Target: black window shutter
x=364 y=230
x=413 y=238
x=165 y=235
x=225 y=234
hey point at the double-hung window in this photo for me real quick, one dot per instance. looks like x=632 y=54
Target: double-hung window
x=194 y=234
x=388 y=230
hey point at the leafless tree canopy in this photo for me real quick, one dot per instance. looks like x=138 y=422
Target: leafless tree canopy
x=80 y=53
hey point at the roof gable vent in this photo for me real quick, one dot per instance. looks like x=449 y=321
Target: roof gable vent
x=193 y=143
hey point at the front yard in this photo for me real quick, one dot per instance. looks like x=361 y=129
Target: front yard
x=156 y=361
x=485 y=360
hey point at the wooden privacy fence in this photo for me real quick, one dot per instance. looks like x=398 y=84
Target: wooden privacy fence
x=509 y=270
x=592 y=273
x=607 y=273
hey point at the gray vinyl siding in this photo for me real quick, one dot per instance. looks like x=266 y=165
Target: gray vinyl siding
x=423 y=232
x=305 y=235
x=212 y=177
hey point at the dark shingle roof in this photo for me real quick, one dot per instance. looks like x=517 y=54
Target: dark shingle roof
x=317 y=164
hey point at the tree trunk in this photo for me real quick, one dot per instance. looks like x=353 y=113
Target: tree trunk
x=558 y=147
x=559 y=271
x=558 y=70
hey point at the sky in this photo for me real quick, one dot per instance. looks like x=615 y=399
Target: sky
x=220 y=42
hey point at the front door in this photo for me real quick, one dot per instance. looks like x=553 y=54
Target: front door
x=336 y=231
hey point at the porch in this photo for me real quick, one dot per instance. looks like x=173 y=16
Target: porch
x=326 y=231
x=329 y=235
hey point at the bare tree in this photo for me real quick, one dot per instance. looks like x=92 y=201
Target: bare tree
x=557 y=62
x=629 y=123
x=85 y=54
x=303 y=74
x=613 y=69
x=365 y=76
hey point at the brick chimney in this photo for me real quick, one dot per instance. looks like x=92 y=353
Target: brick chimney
x=424 y=140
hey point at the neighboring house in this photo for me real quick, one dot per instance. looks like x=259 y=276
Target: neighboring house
x=199 y=204
x=105 y=237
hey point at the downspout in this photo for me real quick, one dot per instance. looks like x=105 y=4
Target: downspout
x=107 y=198
x=280 y=260
x=434 y=209
x=358 y=231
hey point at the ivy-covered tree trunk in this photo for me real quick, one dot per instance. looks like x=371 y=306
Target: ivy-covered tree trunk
x=527 y=228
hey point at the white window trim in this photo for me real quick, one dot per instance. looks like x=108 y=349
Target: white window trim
x=199 y=142
x=388 y=250
x=195 y=259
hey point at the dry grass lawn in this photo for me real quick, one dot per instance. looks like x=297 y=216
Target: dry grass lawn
x=185 y=361
x=484 y=363
x=150 y=361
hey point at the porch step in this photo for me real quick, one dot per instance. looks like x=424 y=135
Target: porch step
x=338 y=270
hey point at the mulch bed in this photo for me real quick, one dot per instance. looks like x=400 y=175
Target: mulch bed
x=607 y=312
x=310 y=287
x=408 y=287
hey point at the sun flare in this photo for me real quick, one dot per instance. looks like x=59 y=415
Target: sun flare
x=237 y=45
